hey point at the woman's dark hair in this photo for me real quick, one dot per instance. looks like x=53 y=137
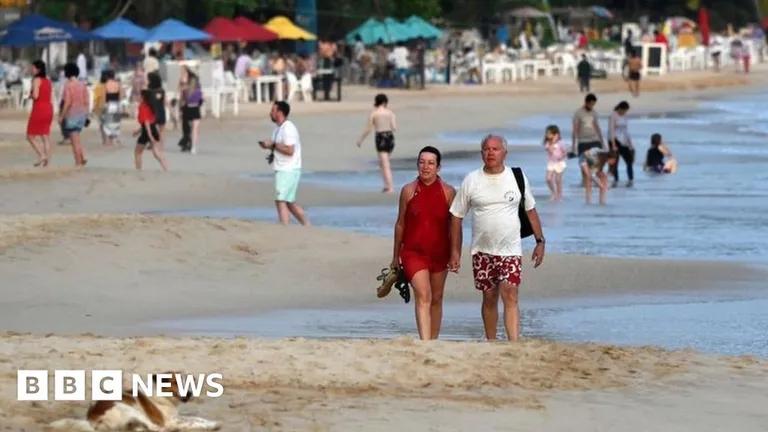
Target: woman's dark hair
x=434 y=151
x=623 y=105
x=71 y=70
x=154 y=81
x=655 y=140
x=106 y=75
x=381 y=99
x=146 y=95
x=40 y=66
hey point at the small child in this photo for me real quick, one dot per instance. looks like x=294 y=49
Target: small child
x=655 y=158
x=556 y=156
x=148 y=133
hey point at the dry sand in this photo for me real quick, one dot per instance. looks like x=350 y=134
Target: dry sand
x=76 y=258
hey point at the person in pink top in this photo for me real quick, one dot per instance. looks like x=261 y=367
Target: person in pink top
x=556 y=156
x=74 y=111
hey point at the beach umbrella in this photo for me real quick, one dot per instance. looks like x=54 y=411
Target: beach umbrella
x=225 y=30
x=601 y=12
x=389 y=31
x=678 y=22
x=36 y=29
x=527 y=12
x=423 y=28
x=120 y=28
x=704 y=26
x=172 y=30
x=255 y=32
x=286 y=29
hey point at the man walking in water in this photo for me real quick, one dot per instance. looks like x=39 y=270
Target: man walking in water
x=285 y=158
x=493 y=196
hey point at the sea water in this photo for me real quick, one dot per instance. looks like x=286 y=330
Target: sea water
x=714 y=208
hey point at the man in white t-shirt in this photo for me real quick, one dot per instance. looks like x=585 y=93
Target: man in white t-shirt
x=493 y=197
x=285 y=158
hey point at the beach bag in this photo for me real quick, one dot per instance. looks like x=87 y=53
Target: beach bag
x=525 y=224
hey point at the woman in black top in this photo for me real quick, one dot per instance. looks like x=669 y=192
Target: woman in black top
x=656 y=159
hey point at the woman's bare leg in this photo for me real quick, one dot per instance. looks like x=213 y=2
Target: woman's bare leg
x=423 y=292
x=157 y=152
x=137 y=156
x=46 y=149
x=602 y=179
x=77 y=149
x=559 y=186
x=40 y=154
x=437 y=281
x=195 y=132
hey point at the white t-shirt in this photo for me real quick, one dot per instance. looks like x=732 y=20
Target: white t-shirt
x=400 y=57
x=287 y=134
x=620 y=131
x=494 y=200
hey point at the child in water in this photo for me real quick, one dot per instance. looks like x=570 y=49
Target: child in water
x=556 y=156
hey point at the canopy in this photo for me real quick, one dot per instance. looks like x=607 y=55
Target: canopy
x=120 y=28
x=254 y=31
x=527 y=12
x=373 y=31
x=423 y=28
x=285 y=29
x=172 y=30
x=601 y=12
x=36 y=29
x=224 y=30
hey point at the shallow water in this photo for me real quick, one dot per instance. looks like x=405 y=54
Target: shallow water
x=715 y=324
x=715 y=208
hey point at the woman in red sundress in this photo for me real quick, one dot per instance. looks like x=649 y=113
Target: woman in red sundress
x=421 y=240
x=41 y=117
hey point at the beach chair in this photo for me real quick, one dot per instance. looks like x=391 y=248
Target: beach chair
x=296 y=86
x=5 y=95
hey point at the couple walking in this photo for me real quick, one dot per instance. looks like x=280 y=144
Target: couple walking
x=428 y=236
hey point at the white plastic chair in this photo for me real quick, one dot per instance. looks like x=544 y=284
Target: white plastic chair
x=5 y=95
x=26 y=90
x=303 y=87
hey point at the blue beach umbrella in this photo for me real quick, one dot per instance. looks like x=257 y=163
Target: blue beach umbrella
x=36 y=29
x=373 y=31
x=172 y=30
x=121 y=28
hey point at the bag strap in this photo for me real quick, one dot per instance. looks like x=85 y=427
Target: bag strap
x=520 y=183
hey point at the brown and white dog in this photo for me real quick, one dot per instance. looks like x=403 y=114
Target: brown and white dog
x=139 y=413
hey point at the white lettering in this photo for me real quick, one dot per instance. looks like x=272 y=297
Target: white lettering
x=163 y=381
x=138 y=384
x=211 y=380
x=189 y=384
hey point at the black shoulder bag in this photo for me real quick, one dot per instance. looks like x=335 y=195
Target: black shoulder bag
x=525 y=225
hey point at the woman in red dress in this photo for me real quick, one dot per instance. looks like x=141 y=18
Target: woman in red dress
x=422 y=244
x=39 y=125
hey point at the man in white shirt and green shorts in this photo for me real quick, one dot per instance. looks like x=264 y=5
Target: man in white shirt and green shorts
x=492 y=195
x=285 y=158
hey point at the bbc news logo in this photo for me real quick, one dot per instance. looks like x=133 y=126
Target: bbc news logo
x=107 y=385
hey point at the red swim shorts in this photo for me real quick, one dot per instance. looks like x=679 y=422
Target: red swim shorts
x=490 y=270
x=413 y=262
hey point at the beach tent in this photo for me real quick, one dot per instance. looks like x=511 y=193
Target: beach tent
x=373 y=31
x=225 y=30
x=119 y=29
x=286 y=29
x=527 y=12
x=36 y=29
x=255 y=32
x=172 y=30
x=422 y=28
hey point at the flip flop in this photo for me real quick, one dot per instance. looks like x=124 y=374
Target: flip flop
x=403 y=286
x=388 y=277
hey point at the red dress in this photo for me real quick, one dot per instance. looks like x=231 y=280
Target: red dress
x=426 y=243
x=42 y=111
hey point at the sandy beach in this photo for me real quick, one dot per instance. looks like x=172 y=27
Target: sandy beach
x=88 y=258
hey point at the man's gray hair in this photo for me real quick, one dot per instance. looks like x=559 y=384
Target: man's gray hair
x=491 y=136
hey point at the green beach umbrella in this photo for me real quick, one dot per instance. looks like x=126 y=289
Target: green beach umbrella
x=423 y=28
x=373 y=31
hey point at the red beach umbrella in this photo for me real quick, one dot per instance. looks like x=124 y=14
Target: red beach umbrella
x=224 y=30
x=704 y=26
x=254 y=31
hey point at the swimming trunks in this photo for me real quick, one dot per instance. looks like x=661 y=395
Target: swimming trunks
x=385 y=142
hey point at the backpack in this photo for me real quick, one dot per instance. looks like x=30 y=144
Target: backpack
x=525 y=225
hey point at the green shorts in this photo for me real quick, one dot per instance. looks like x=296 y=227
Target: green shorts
x=286 y=185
